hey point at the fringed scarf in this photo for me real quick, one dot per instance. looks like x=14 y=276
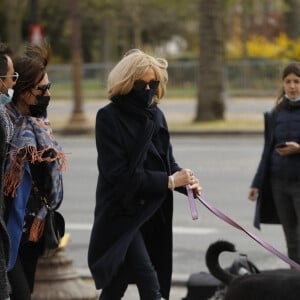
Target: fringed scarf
x=32 y=143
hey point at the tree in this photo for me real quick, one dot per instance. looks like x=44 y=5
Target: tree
x=210 y=104
x=111 y=27
x=78 y=123
x=292 y=18
x=14 y=13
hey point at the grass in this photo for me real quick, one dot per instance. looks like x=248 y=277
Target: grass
x=93 y=89
x=220 y=126
x=231 y=125
x=194 y=127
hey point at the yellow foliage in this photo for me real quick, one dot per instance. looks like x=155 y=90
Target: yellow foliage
x=258 y=46
x=234 y=49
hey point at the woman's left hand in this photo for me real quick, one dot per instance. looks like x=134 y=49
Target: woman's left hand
x=291 y=148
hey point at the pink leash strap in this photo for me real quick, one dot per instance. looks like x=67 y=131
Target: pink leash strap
x=192 y=203
x=267 y=246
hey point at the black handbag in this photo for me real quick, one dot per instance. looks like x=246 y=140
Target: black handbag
x=54 y=230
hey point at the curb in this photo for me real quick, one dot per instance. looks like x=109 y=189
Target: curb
x=178 y=279
x=179 y=133
x=215 y=132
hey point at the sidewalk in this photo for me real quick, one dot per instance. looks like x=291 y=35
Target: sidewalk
x=242 y=115
x=176 y=293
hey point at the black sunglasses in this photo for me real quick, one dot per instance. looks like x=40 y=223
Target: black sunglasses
x=43 y=88
x=15 y=76
x=140 y=85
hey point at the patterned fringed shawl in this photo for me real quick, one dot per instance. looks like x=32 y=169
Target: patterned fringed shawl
x=32 y=143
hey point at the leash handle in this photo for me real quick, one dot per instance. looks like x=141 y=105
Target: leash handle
x=192 y=202
x=267 y=246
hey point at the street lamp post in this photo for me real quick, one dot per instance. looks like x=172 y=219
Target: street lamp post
x=33 y=11
x=36 y=34
x=56 y=279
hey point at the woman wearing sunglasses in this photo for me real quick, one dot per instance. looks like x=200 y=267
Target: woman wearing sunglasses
x=131 y=239
x=7 y=81
x=33 y=170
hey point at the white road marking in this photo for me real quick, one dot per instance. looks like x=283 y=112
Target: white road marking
x=194 y=230
x=176 y=229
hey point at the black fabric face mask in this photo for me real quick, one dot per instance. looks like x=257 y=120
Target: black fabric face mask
x=145 y=97
x=40 y=109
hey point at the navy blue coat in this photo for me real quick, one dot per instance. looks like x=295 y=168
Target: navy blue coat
x=132 y=193
x=4 y=237
x=265 y=211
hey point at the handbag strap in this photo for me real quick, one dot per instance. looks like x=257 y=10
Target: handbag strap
x=45 y=201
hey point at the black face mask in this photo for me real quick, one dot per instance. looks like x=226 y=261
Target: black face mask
x=40 y=109
x=144 y=97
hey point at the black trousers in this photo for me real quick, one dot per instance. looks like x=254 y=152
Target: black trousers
x=21 y=276
x=286 y=196
x=138 y=267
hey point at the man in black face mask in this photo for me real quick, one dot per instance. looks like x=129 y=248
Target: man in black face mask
x=7 y=80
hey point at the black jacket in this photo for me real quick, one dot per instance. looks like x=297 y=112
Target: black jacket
x=265 y=209
x=4 y=238
x=134 y=160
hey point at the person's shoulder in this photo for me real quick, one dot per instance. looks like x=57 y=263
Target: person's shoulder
x=270 y=113
x=158 y=109
x=160 y=113
x=106 y=109
x=160 y=117
x=107 y=113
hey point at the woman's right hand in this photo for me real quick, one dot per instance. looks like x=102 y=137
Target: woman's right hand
x=186 y=177
x=252 y=195
x=183 y=177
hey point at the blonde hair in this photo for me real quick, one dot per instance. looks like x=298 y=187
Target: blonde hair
x=131 y=67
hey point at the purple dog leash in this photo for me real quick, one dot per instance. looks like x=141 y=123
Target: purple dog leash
x=228 y=220
x=192 y=203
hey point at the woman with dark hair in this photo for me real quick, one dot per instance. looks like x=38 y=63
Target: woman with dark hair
x=7 y=80
x=276 y=184
x=33 y=170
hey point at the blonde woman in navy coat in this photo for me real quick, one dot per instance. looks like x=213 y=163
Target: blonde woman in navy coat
x=131 y=239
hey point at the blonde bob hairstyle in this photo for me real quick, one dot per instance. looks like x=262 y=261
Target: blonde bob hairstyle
x=133 y=66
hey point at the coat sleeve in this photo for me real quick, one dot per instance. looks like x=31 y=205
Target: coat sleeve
x=268 y=140
x=174 y=167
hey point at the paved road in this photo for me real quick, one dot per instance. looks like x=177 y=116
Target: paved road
x=225 y=166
